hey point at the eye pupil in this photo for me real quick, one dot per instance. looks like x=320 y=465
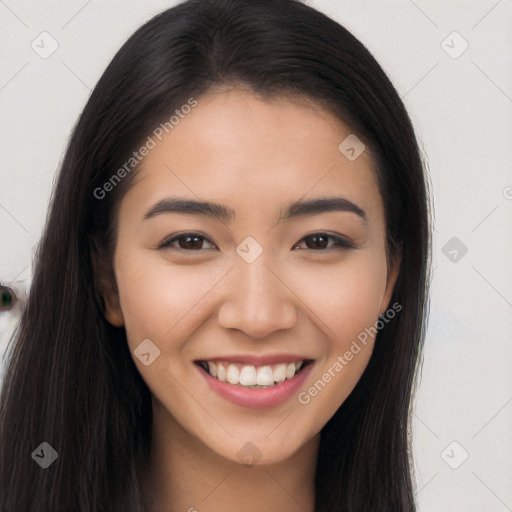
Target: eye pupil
x=317 y=241
x=195 y=245
x=322 y=238
x=7 y=298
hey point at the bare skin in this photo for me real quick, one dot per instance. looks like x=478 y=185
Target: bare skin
x=198 y=299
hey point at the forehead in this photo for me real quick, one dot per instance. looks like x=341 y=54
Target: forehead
x=244 y=150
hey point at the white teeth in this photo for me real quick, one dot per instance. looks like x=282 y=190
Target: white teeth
x=212 y=367
x=221 y=372
x=248 y=376
x=253 y=376
x=265 y=376
x=290 y=370
x=280 y=373
x=233 y=375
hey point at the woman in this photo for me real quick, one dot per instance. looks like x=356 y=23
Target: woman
x=229 y=297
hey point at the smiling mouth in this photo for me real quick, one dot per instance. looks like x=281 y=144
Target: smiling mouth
x=252 y=376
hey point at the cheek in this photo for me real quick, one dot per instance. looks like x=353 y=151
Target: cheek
x=159 y=300
x=344 y=298
x=162 y=302
x=348 y=303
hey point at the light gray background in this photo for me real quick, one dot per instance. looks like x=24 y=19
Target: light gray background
x=462 y=110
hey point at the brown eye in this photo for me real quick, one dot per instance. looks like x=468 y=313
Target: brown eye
x=320 y=241
x=8 y=298
x=186 y=242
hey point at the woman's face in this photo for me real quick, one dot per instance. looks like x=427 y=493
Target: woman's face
x=257 y=286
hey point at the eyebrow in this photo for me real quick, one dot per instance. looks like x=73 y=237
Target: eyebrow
x=226 y=214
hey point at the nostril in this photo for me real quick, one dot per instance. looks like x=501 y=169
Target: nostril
x=8 y=298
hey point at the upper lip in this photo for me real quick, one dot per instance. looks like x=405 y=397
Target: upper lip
x=257 y=360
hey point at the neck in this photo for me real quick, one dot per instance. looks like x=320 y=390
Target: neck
x=183 y=474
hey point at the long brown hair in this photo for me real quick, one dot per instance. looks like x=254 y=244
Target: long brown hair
x=71 y=381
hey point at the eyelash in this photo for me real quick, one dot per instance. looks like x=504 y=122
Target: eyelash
x=343 y=244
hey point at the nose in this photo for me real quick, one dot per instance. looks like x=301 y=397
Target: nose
x=257 y=300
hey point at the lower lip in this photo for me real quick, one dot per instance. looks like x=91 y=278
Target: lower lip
x=257 y=398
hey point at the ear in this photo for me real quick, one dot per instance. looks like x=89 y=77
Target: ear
x=393 y=271
x=112 y=312
x=105 y=288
